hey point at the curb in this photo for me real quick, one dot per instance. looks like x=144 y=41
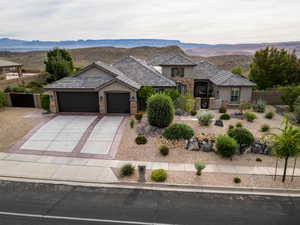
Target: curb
x=165 y=187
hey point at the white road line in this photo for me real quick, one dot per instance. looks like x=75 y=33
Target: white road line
x=77 y=218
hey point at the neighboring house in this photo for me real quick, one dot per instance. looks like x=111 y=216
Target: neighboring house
x=8 y=66
x=113 y=88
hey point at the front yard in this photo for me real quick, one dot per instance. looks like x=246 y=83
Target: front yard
x=16 y=123
x=129 y=150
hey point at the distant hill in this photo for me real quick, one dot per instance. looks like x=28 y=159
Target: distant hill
x=33 y=60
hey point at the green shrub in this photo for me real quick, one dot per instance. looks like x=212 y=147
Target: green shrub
x=144 y=94
x=131 y=123
x=230 y=127
x=34 y=84
x=205 y=117
x=265 y=128
x=226 y=146
x=258 y=160
x=159 y=175
x=259 y=106
x=138 y=116
x=269 y=115
x=45 y=102
x=250 y=116
x=178 y=131
x=140 y=140
x=126 y=170
x=297 y=110
x=160 y=110
x=164 y=150
x=172 y=93
x=225 y=116
x=199 y=166
x=193 y=113
x=186 y=103
x=242 y=136
x=237 y=180
x=2 y=99
x=18 y=89
x=290 y=95
x=222 y=109
x=239 y=124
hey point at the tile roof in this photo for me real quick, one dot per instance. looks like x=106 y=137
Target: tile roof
x=5 y=63
x=91 y=80
x=177 y=60
x=142 y=73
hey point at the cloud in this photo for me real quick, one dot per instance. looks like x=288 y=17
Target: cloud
x=214 y=21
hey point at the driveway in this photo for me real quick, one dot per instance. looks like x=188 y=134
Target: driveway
x=60 y=134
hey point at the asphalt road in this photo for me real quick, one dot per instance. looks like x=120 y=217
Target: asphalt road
x=44 y=204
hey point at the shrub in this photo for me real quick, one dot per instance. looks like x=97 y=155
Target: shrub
x=18 y=89
x=193 y=113
x=199 y=166
x=269 y=115
x=143 y=94
x=164 y=150
x=186 y=103
x=290 y=95
x=225 y=116
x=205 y=117
x=242 y=136
x=172 y=93
x=258 y=160
x=159 y=175
x=250 y=116
x=2 y=99
x=178 y=131
x=138 y=116
x=239 y=124
x=222 y=109
x=131 y=123
x=126 y=170
x=259 y=106
x=140 y=140
x=230 y=127
x=297 y=110
x=45 y=102
x=226 y=146
x=265 y=128
x=237 y=180
x=160 y=110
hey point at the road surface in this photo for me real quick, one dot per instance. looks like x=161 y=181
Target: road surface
x=45 y=204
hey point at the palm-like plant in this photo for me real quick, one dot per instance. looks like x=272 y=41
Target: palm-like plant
x=286 y=144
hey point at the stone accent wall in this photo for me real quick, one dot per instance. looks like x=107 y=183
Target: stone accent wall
x=189 y=82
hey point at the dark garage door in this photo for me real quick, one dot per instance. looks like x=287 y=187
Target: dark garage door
x=78 y=101
x=22 y=100
x=118 y=103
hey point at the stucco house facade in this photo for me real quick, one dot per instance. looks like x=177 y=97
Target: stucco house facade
x=103 y=88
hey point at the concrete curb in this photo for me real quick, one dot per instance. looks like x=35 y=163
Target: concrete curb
x=166 y=187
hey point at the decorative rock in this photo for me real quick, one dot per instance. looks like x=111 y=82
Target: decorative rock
x=179 y=112
x=192 y=145
x=206 y=147
x=261 y=148
x=219 y=123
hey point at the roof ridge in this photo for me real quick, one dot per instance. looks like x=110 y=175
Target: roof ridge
x=183 y=56
x=153 y=71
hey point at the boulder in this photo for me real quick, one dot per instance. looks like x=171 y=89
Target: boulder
x=206 y=147
x=219 y=123
x=192 y=145
x=179 y=112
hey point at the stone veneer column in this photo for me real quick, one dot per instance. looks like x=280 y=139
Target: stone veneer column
x=133 y=107
x=197 y=103
x=53 y=102
x=102 y=104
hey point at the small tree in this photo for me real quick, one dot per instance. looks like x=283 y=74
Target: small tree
x=160 y=110
x=290 y=95
x=244 y=106
x=59 y=63
x=173 y=93
x=237 y=70
x=297 y=110
x=143 y=94
x=286 y=144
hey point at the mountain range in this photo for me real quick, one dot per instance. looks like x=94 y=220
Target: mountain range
x=196 y=49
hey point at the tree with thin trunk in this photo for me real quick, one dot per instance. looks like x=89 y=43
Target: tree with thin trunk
x=286 y=143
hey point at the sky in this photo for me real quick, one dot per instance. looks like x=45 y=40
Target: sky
x=198 y=21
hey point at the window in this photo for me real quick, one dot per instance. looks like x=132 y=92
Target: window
x=235 y=95
x=181 y=88
x=177 y=72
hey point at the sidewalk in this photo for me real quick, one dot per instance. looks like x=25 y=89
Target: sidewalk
x=97 y=170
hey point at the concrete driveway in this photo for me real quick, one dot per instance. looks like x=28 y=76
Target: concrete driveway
x=60 y=134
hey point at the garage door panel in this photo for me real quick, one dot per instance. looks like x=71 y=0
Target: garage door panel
x=118 y=103
x=78 y=101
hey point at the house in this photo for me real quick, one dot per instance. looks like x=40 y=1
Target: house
x=8 y=66
x=104 y=88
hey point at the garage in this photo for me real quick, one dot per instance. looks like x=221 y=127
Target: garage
x=118 y=102
x=78 y=101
